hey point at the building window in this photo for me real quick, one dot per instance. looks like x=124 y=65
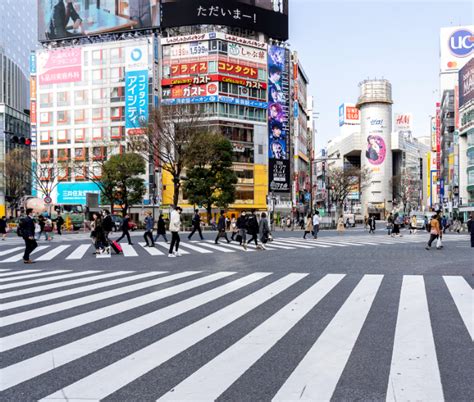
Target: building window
x=63 y=154
x=45 y=173
x=116 y=55
x=80 y=97
x=97 y=114
x=116 y=133
x=98 y=153
x=116 y=74
x=116 y=94
x=80 y=135
x=45 y=137
x=46 y=155
x=98 y=96
x=62 y=117
x=45 y=118
x=97 y=133
x=116 y=113
x=63 y=174
x=80 y=116
x=62 y=136
x=97 y=76
x=97 y=57
x=80 y=154
x=46 y=100
x=63 y=99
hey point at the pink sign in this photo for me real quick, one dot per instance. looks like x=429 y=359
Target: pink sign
x=376 y=150
x=60 y=66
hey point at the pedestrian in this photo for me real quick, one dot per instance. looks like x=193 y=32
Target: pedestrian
x=439 y=242
x=396 y=225
x=340 y=225
x=100 y=241
x=435 y=232
x=366 y=222
x=413 y=225
x=27 y=231
x=444 y=223
x=252 y=227
x=263 y=230
x=288 y=223
x=390 y=224
x=107 y=225
x=309 y=226
x=470 y=228
x=125 y=229
x=161 y=229
x=372 y=222
x=175 y=226
x=48 y=229
x=316 y=222
x=149 y=224
x=242 y=228
x=3 y=227
x=233 y=228
x=221 y=228
x=59 y=223
x=42 y=223
x=348 y=223
x=196 y=222
x=37 y=229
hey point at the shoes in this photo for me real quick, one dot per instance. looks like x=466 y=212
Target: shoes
x=189 y=238
x=427 y=248
x=171 y=256
x=28 y=262
x=178 y=254
x=130 y=244
x=244 y=246
x=216 y=242
x=228 y=241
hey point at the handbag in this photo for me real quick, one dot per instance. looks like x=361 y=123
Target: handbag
x=48 y=229
x=439 y=243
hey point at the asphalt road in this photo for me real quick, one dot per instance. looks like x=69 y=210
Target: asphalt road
x=344 y=317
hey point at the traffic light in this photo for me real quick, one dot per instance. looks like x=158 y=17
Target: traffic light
x=21 y=140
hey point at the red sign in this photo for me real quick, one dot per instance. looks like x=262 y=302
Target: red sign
x=33 y=112
x=204 y=79
x=438 y=144
x=188 y=91
x=238 y=69
x=352 y=113
x=199 y=67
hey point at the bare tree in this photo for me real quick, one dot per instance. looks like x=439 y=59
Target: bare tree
x=406 y=190
x=342 y=182
x=17 y=179
x=166 y=138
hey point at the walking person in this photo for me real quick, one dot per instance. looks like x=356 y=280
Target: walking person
x=125 y=229
x=196 y=222
x=372 y=224
x=242 y=228
x=366 y=222
x=175 y=226
x=149 y=224
x=316 y=222
x=396 y=225
x=233 y=228
x=27 y=231
x=308 y=226
x=161 y=229
x=42 y=223
x=48 y=229
x=390 y=224
x=263 y=230
x=252 y=228
x=340 y=225
x=221 y=228
x=435 y=232
x=107 y=225
x=37 y=230
x=3 y=227
x=413 y=225
x=470 y=228
x=59 y=224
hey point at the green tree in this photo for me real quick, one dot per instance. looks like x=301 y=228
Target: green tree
x=120 y=181
x=210 y=180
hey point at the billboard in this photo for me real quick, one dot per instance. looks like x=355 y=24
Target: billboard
x=466 y=83
x=267 y=16
x=278 y=119
x=75 y=193
x=403 y=122
x=63 y=19
x=59 y=66
x=456 y=47
x=348 y=114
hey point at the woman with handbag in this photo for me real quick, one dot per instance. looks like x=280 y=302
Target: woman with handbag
x=48 y=229
x=264 y=230
x=435 y=232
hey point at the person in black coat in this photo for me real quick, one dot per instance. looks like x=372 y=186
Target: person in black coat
x=27 y=227
x=470 y=228
x=3 y=227
x=61 y=15
x=196 y=225
x=252 y=228
x=107 y=226
x=221 y=228
x=59 y=224
x=125 y=229
x=161 y=229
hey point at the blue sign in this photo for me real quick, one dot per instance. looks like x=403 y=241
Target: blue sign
x=33 y=63
x=295 y=109
x=341 y=115
x=441 y=184
x=211 y=99
x=75 y=193
x=460 y=43
x=136 y=97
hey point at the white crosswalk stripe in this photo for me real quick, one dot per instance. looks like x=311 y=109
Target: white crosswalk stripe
x=79 y=252
x=274 y=303
x=19 y=257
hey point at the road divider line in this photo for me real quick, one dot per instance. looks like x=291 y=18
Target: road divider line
x=463 y=296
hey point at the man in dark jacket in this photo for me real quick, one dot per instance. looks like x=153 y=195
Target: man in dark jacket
x=252 y=227
x=470 y=228
x=61 y=15
x=221 y=227
x=125 y=229
x=242 y=229
x=196 y=221
x=107 y=225
x=59 y=223
x=27 y=227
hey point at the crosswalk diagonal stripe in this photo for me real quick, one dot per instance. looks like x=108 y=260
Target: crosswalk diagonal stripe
x=414 y=371
x=21 y=278
x=10 y=250
x=300 y=243
x=18 y=274
x=279 y=246
x=166 y=246
x=62 y=293
x=5 y=270
x=317 y=374
x=294 y=245
x=194 y=247
x=326 y=243
x=213 y=246
x=113 y=377
x=37 y=365
x=38 y=282
x=19 y=257
x=234 y=246
x=79 y=252
x=18 y=339
x=151 y=250
x=129 y=251
x=53 y=253
x=463 y=296
x=211 y=380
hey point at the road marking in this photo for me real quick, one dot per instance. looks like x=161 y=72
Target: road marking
x=128 y=250
x=317 y=374
x=218 y=248
x=11 y=250
x=310 y=245
x=19 y=257
x=279 y=242
x=414 y=372
x=211 y=380
x=67 y=324
x=236 y=247
x=195 y=248
x=65 y=274
x=167 y=246
x=53 y=253
x=79 y=252
x=151 y=250
x=115 y=376
x=463 y=296
x=17 y=274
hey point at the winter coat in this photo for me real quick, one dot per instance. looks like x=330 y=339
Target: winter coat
x=149 y=223
x=196 y=221
x=309 y=225
x=252 y=225
x=175 y=221
x=263 y=228
x=161 y=226
x=435 y=227
x=241 y=223
x=108 y=223
x=221 y=224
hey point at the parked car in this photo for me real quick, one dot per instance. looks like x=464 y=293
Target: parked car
x=118 y=224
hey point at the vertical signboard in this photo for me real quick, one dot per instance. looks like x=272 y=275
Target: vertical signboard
x=278 y=120
x=33 y=100
x=433 y=134
x=136 y=89
x=438 y=144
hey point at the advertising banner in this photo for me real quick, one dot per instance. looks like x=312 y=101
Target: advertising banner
x=219 y=98
x=33 y=112
x=76 y=193
x=267 y=16
x=136 y=89
x=238 y=69
x=186 y=91
x=433 y=134
x=204 y=79
x=60 y=66
x=348 y=114
x=278 y=119
x=33 y=88
x=33 y=63
x=466 y=83
x=456 y=47
x=403 y=122
x=187 y=50
x=189 y=68
x=438 y=143
x=238 y=51
x=59 y=20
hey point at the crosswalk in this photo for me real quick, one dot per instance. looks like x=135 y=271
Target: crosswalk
x=197 y=335
x=74 y=252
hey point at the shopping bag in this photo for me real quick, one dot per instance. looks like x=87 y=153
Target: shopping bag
x=439 y=243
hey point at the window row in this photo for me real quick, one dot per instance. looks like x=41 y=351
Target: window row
x=227 y=88
x=82 y=97
x=83 y=116
x=242 y=112
x=81 y=135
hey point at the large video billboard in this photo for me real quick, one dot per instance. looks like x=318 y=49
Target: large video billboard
x=67 y=19
x=466 y=83
x=267 y=16
x=456 y=47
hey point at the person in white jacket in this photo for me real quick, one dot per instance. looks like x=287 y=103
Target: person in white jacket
x=175 y=226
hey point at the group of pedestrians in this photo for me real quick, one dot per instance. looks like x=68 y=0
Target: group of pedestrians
x=312 y=225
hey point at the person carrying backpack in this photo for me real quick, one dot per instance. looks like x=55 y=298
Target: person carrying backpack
x=196 y=222
x=26 y=229
x=149 y=223
x=59 y=224
x=435 y=232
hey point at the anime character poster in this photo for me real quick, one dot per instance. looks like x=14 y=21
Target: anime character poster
x=376 y=150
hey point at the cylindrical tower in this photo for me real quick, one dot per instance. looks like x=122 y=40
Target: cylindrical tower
x=375 y=105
